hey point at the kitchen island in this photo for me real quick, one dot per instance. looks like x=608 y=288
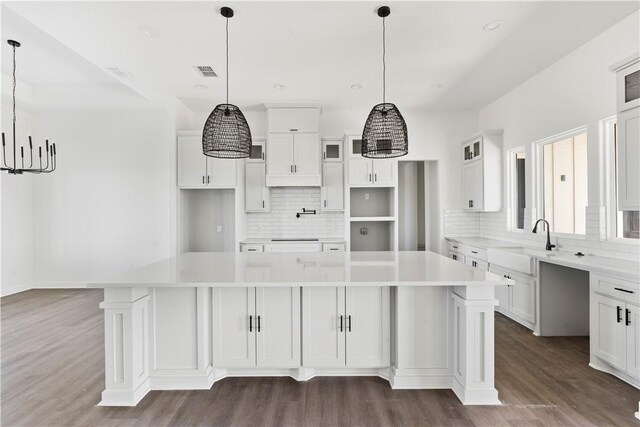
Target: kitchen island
x=416 y=319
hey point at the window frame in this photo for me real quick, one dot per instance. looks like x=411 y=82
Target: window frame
x=538 y=181
x=607 y=147
x=512 y=188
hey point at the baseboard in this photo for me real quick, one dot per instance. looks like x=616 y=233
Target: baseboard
x=476 y=397
x=13 y=291
x=43 y=285
x=607 y=369
x=125 y=397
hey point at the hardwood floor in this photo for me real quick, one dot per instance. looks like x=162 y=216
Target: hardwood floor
x=53 y=364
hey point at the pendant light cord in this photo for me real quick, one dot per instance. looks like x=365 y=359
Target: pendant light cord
x=384 y=64
x=227 y=49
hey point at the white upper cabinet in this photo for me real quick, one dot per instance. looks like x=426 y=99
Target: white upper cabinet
x=332 y=150
x=195 y=170
x=256 y=192
x=258 y=151
x=365 y=172
x=294 y=147
x=482 y=172
x=293 y=119
x=332 y=190
x=628 y=152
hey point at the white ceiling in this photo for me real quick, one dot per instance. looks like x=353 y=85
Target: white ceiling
x=316 y=49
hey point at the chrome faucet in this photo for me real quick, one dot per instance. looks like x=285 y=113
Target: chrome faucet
x=535 y=230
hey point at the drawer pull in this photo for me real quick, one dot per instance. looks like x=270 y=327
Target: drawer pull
x=474 y=252
x=454 y=247
x=623 y=290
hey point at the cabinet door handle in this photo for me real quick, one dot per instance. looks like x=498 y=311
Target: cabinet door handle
x=293 y=130
x=375 y=177
x=250 y=321
x=474 y=252
x=263 y=204
x=627 y=315
x=258 y=323
x=341 y=323
x=349 y=323
x=291 y=168
x=203 y=179
x=208 y=179
x=325 y=203
x=324 y=156
x=454 y=256
x=295 y=168
x=619 y=314
x=262 y=156
x=370 y=178
x=471 y=203
x=623 y=290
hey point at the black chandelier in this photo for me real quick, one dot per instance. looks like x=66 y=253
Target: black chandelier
x=50 y=151
x=385 y=131
x=226 y=133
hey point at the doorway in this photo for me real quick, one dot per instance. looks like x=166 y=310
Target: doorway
x=418 y=206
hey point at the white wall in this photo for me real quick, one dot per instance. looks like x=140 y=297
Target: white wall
x=107 y=208
x=16 y=208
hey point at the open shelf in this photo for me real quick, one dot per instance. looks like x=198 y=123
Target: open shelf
x=372 y=202
x=378 y=237
x=202 y=211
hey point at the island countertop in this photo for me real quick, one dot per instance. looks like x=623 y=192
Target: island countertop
x=223 y=269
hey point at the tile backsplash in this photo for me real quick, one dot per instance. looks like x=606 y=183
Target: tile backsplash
x=281 y=222
x=493 y=225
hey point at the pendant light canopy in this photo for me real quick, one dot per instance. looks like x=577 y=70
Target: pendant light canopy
x=226 y=133
x=385 y=131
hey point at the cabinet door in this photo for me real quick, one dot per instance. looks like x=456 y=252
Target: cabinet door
x=360 y=172
x=522 y=298
x=633 y=340
x=234 y=322
x=331 y=150
x=502 y=292
x=368 y=327
x=384 y=172
x=255 y=190
x=323 y=327
x=278 y=327
x=293 y=119
x=192 y=164
x=628 y=159
x=306 y=154
x=354 y=146
x=472 y=182
x=280 y=158
x=609 y=337
x=258 y=151
x=221 y=172
x=332 y=187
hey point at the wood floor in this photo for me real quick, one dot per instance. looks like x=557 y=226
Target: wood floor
x=53 y=364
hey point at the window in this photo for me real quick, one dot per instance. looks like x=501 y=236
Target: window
x=516 y=185
x=625 y=224
x=563 y=181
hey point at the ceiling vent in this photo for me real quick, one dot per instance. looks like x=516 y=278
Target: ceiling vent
x=205 y=71
x=119 y=72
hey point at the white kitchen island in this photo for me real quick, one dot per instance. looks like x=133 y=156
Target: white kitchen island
x=416 y=319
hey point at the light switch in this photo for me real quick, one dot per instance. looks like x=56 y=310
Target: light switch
x=219 y=229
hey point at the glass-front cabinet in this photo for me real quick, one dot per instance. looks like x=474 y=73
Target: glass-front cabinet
x=258 y=150
x=354 y=146
x=472 y=150
x=332 y=149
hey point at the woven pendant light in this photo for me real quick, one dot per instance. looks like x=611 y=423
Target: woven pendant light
x=226 y=134
x=385 y=131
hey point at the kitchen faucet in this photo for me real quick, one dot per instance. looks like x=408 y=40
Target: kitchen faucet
x=535 y=230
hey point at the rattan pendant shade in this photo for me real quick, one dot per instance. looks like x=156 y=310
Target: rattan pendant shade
x=226 y=133
x=385 y=131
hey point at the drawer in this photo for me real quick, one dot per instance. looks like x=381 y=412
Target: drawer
x=477 y=263
x=477 y=253
x=620 y=289
x=456 y=247
x=333 y=247
x=251 y=247
x=293 y=247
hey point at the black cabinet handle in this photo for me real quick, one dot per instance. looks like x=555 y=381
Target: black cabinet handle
x=258 y=323
x=203 y=179
x=324 y=156
x=619 y=314
x=341 y=323
x=474 y=252
x=370 y=178
x=208 y=179
x=250 y=323
x=291 y=168
x=623 y=290
x=349 y=323
x=295 y=168
x=293 y=130
x=471 y=201
x=627 y=315
x=454 y=247
x=263 y=203
x=375 y=177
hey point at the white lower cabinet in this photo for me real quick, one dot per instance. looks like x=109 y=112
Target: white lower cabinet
x=517 y=301
x=256 y=327
x=346 y=327
x=615 y=335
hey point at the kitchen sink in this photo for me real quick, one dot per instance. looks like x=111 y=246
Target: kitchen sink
x=517 y=258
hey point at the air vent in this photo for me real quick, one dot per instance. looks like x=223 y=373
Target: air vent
x=205 y=71
x=118 y=72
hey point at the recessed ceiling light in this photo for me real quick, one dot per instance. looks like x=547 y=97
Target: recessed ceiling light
x=493 y=25
x=147 y=31
x=436 y=86
x=356 y=86
x=279 y=86
x=199 y=86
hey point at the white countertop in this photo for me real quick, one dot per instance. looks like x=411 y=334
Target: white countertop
x=598 y=264
x=270 y=240
x=309 y=269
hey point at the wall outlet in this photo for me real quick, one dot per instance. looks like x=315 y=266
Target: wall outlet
x=219 y=229
x=366 y=196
